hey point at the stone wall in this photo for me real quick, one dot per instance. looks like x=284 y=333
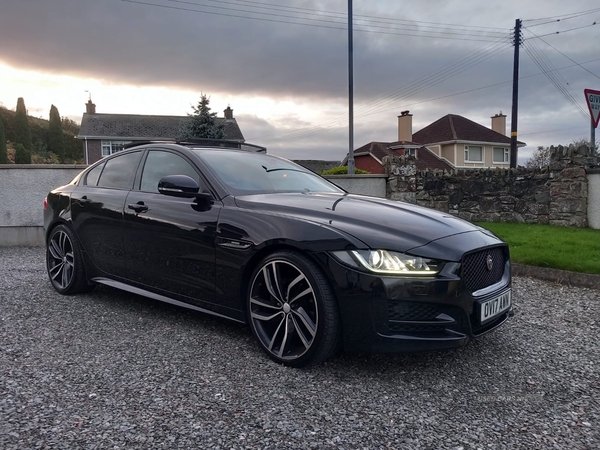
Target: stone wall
x=555 y=195
x=371 y=184
x=317 y=165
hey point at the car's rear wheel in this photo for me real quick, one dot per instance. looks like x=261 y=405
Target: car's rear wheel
x=292 y=310
x=64 y=262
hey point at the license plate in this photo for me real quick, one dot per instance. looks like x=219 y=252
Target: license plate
x=495 y=306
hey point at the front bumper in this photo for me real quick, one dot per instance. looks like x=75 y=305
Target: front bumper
x=396 y=314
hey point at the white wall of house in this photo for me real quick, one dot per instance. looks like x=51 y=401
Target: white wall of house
x=482 y=155
x=23 y=189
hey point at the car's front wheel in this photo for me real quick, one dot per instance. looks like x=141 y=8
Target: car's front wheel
x=64 y=262
x=292 y=310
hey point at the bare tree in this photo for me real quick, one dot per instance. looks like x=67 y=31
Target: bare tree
x=539 y=158
x=579 y=142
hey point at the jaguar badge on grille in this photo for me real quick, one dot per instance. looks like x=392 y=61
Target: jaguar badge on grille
x=490 y=262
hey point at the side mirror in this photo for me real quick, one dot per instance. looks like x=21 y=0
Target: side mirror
x=178 y=186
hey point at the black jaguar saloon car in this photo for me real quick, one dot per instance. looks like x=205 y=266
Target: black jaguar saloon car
x=228 y=230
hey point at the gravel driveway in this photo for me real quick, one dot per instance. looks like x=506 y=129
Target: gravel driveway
x=113 y=370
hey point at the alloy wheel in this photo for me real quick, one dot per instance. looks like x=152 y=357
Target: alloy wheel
x=283 y=310
x=61 y=260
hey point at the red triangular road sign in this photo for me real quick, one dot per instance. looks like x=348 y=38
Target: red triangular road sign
x=593 y=101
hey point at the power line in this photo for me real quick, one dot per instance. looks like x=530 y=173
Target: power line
x=345 y=16
x=464 y=62
x=453 y=69
x=463 y=92
x=415 y=88
x=564 y=16
x=540 y=59
x=567 y=90
x=483 y=87
x=565 y=31
x=551 y=77
x=556 y=129
x=195 y=3
x=342 y=16
x=444 y=33
x=419 y=86
x=570 y=59
x=139 y=2
x=370 y=108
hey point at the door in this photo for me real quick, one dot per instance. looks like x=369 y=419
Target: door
x=97 y=210
x=170 y=241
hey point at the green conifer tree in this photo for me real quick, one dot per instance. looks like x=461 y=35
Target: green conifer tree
x=56 y=139
x=22 y=132
x=3 y=154
x=22 y=155
x=203 y=123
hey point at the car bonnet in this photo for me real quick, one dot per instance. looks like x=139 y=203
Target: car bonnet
x=380 y=223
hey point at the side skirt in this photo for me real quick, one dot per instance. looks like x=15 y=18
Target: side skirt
x=161 y=298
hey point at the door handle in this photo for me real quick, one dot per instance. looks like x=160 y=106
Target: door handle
x=138 y=207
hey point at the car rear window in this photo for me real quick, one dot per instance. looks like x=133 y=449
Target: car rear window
x=119 y=171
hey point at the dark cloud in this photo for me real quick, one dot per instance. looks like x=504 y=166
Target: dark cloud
x=129 y=43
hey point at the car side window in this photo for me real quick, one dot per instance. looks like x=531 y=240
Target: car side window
x=119 y=172
x=91 y=178
x=160 y=164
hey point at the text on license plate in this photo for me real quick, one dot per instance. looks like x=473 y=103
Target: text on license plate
x=495 y=306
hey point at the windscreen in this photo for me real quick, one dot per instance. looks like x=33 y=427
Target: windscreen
x=247 y=173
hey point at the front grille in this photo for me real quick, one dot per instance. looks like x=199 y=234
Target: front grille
x=417 y=317
x=475 y=271
x=411 y=311
x=415 y=328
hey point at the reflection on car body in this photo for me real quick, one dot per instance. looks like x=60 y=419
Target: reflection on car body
x=260 y=240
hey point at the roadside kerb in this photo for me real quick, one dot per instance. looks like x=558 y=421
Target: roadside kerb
x=558 y=276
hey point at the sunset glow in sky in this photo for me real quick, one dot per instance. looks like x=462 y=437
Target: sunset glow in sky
x=283 y=67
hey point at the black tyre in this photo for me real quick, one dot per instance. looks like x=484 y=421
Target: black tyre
x=292 y=310
x=64 y=262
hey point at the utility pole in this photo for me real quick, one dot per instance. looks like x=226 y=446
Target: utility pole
x=515 y=96
x=350 y=91
x=592 y=98
x=593 y=136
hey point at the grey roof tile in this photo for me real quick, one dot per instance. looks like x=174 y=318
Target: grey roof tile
x=135 y=127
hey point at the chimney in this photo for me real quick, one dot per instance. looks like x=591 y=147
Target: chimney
x=499 y=123
x=90 y=107
x=405 y=126
x=228 y=113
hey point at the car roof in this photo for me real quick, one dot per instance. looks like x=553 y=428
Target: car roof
x=199 y=143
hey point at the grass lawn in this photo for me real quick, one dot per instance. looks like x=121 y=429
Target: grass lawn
x=575 y=249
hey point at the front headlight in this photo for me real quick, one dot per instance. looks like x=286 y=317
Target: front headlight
x=390 y=263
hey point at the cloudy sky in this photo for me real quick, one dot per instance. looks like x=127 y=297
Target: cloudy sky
x=283 y=66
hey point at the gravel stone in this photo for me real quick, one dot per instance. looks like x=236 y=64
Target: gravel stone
x=108 y=370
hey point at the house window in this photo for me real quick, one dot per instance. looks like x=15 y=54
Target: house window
x=110 y=147
x=411 y=152
x=501 y=155
x=473 y=153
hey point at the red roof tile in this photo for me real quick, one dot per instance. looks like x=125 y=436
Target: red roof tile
x=426 y=159
x=377 y=149
x=457 y=128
